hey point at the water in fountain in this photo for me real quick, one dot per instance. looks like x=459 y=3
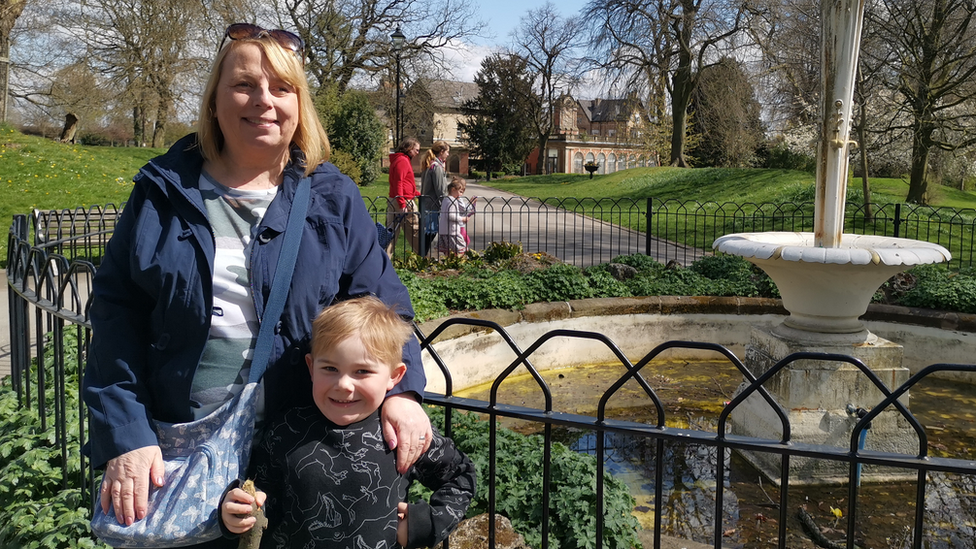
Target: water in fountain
x=694 y=393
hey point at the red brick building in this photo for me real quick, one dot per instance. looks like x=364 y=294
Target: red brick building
x=605 y=131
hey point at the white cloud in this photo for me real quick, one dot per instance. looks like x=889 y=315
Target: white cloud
x=464 y=59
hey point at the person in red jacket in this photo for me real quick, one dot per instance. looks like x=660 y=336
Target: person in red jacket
x=401 y=210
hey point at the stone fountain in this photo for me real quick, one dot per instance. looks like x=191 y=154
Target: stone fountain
x=826 y=279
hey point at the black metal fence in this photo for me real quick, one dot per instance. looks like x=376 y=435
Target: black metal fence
x=48 y=310
x=588 y=231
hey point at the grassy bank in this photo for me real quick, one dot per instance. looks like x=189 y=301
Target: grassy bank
x=40 y=173
x=714 y=185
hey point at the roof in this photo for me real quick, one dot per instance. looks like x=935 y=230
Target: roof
x=448 y=94
x=605 y=110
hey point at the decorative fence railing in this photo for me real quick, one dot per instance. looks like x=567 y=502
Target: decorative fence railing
x=48 y=311
x=587 y=231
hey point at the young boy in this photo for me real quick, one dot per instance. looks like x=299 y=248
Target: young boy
x=329 y=478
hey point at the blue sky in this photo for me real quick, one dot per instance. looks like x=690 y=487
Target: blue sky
x=502 y=16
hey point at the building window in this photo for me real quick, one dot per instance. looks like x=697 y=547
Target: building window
x=611 y=163
x=578 y=163
x=602 y=162
x=595 y=131
x=459 y=135
x=611 y=132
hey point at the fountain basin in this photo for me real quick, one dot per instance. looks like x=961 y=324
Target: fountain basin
x=827 y=290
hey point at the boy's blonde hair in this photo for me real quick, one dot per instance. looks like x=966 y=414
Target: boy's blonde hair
x=382 y=331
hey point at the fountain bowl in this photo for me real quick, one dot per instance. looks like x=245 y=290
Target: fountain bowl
x=826 y=290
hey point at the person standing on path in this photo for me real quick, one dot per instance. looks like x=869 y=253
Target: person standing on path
x=433 y=188
x=401 y=207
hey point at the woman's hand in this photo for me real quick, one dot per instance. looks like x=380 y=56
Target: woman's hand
x=237 y=510
x=406 y=428
x=126 y=483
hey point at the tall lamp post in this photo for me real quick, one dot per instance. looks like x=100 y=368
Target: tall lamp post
x=398 y=38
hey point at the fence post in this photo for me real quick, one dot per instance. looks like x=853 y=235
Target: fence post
x=897 y=219
x=647 y=227
x=422 y=222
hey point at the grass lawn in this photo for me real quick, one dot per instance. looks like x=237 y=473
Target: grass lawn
x=40 y=173
x=712 y=185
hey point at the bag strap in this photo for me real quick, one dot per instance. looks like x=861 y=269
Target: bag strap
x=282 y=281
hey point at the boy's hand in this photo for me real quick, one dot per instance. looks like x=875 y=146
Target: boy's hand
x=236 y=509
x=402 y=524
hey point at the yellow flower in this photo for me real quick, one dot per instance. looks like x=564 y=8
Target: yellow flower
x=837 y=512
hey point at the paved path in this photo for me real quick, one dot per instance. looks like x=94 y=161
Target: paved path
x=574 y=238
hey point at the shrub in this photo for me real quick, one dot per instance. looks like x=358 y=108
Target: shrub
x=501 y=290
x=427 y=299
x=559 y=282
x=781 y=157
x=518 y=483
x=731 y=275
x=347 y=165
x=36 y=509
x=640 y=262
x=500 y=251
x=723 y=267
x=603 y=284
x=937 y=288
x=669 y=282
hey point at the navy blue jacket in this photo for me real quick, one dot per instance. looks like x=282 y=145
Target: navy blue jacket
x=153 y=296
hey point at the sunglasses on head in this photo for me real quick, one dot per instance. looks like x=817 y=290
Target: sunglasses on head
x=285 y=39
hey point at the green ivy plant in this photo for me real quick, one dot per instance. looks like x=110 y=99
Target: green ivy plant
x=518 y=487
x=36 y=509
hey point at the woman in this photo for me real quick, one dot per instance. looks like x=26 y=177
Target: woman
x=401 y=208
x=173 y=314
x=433 y=188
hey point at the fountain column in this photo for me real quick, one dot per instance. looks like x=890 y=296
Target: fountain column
x=826 y=279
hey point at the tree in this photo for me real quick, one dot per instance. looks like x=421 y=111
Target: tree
x=10 y=10
x=496 y=130
x=787 y=33
x=652 y=42
x=932 y=68
x=144 y=47
x=348 y=37
x=727 y=116
x=353 y=128
x=545 y=40
x=77 y=90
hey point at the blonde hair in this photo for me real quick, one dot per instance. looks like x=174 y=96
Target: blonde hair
x=310 y=136
x=457 y=182
x=382 y=331
x=434 y=150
